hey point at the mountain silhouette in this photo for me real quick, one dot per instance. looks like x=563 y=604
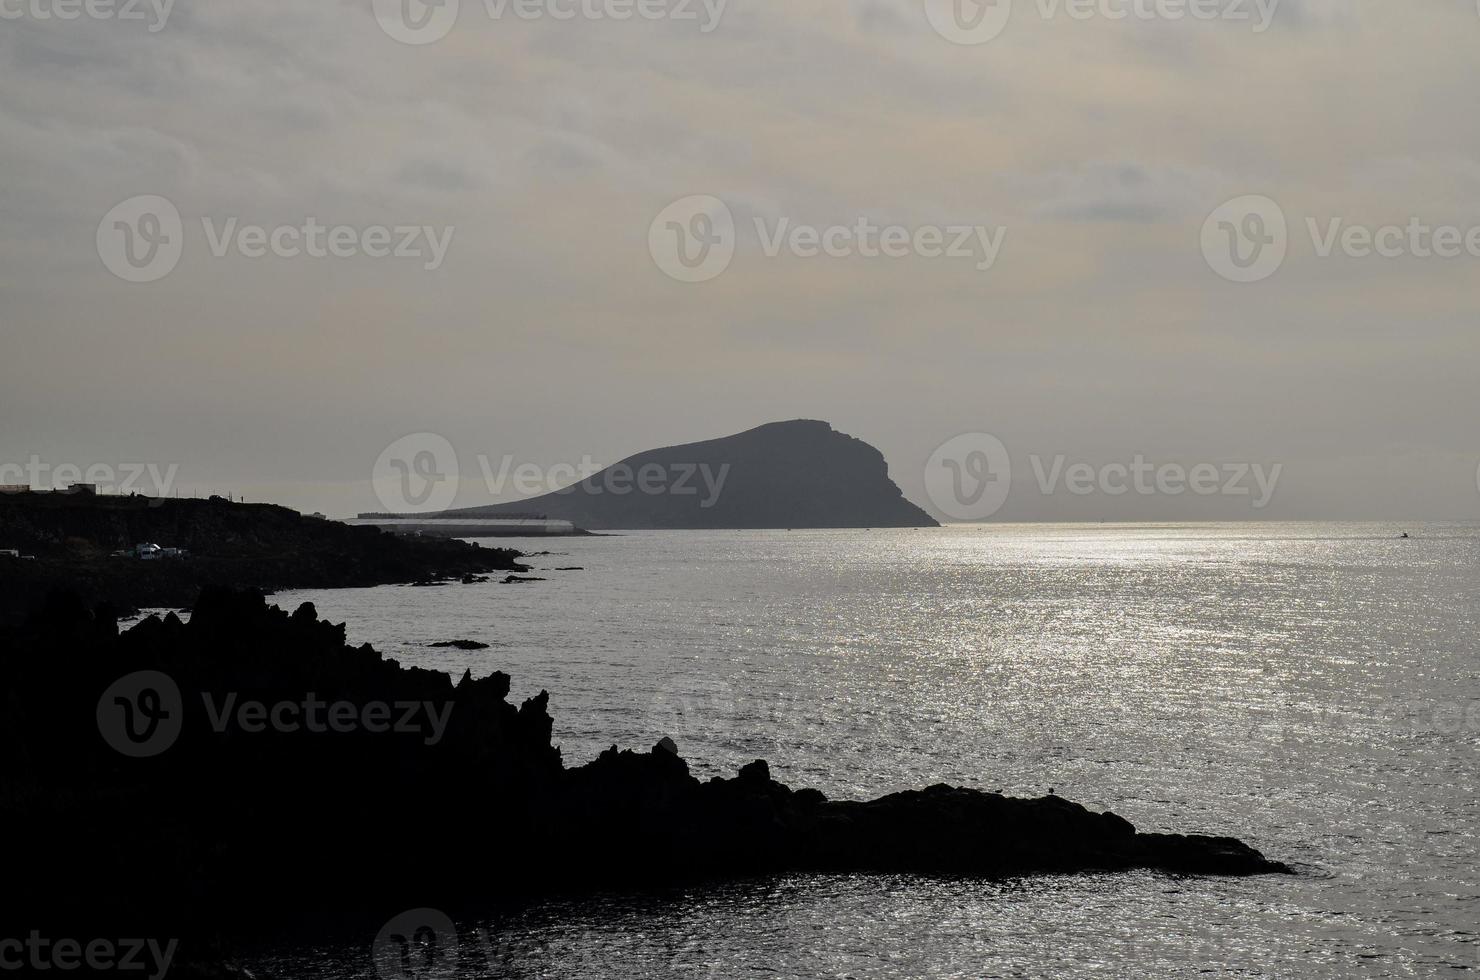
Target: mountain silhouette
x=799 y=474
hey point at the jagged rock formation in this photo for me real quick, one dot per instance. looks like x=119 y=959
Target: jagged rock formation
x=799 y=474
x=243 y=813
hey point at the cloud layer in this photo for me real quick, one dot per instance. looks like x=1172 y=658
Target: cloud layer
x=549 y=332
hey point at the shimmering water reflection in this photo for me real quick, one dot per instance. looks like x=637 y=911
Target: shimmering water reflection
x=1314 y=689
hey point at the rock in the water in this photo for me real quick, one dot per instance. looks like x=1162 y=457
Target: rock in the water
x=282 y=749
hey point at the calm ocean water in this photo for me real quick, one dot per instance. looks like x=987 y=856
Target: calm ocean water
x=1311 y=688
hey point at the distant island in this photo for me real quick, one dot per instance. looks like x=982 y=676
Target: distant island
x=136 y=551
x=798 y=474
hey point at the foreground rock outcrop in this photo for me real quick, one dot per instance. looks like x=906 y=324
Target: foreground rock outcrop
x=668 y=820
x=248 y=769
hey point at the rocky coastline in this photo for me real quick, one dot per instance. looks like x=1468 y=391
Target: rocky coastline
x=75 y=542
x=249 y=769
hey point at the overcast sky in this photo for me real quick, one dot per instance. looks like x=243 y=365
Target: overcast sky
x=1093 y=149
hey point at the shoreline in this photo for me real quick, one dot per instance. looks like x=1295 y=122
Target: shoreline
x=88 y=544
x=235 y=803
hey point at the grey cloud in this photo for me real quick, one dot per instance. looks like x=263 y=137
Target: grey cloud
x=438 y=175
x=1080 y=137
x=1122 y=191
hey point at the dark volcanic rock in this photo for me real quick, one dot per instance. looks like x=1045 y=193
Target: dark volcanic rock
x=429 y=794
x=799 y=474
x=751 y=823
x=229 y=545
x=460 y=645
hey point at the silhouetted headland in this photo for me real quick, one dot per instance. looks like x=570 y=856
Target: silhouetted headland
x=263 y=773
x=95 y=546
x=799 y=474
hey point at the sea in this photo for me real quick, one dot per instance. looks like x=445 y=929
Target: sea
x=1313 y=689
